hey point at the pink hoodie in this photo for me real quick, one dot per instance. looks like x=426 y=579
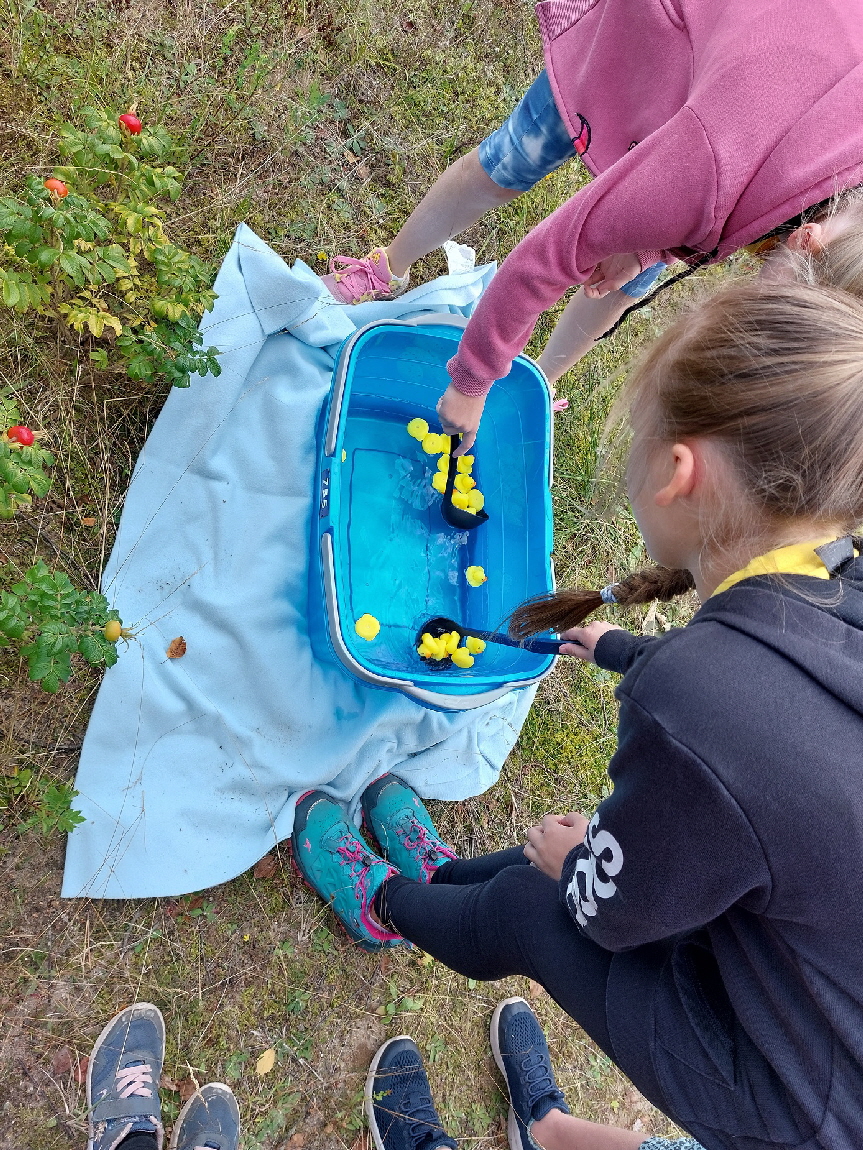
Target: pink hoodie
x=706 y=123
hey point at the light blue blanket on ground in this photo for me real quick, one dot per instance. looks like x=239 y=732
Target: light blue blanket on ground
x=191 y=767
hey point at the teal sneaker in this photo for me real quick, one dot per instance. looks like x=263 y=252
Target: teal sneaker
x=338 y=866
x=397 y=817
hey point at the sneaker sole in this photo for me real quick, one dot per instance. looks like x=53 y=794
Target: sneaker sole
x=369 y=1091
x=106 y=1030
x=213 y=1088
x=513 y=1134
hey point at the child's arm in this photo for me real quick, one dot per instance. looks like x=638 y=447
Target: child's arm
x=670 y=849
x=661 y=195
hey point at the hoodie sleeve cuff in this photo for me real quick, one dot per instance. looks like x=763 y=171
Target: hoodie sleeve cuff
x=648 y=259
x=616 y=650
x=465 y=381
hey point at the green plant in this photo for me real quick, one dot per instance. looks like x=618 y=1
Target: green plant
x=92 y=255
x=45 y=805
x=21 y=467
x=48 y=620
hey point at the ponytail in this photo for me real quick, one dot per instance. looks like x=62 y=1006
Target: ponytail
x=560 y=610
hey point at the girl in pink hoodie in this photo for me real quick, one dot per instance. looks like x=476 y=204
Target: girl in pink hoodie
x=707 y=125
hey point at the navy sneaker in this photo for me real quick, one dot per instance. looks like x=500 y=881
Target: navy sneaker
x=399 y=1104
x=341 y=868
x=210 y=1120
x=123 y=1079
x=522 y=1057
x=397 y=817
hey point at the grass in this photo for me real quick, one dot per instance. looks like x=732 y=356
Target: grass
x=320 y=124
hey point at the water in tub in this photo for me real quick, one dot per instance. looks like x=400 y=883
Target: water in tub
x=406 y=564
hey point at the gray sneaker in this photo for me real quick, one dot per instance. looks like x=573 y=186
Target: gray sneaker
x=210 y=1120
x=123 y=1078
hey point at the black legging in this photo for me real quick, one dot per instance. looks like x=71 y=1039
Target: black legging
x=495 y=916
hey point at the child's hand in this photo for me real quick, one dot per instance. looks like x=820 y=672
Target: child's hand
x=549 y=843
x=583 y=640
x=610 y=274
x=460 y=413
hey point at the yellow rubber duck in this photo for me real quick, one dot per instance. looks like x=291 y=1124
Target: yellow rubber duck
x=439 y=482
x=465 y=464
x=418 y=428
x=475 y=575
x=443 y=463
x=459 y=499
x=432 y=443
x=367 y=627
x=474 y=645
x=451 y=642
x=464 y=483
x=462 y=658
x=475 y=500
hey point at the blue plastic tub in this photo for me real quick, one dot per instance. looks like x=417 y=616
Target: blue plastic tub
x=381 y=543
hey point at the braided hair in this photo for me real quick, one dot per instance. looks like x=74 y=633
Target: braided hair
x=560 y=610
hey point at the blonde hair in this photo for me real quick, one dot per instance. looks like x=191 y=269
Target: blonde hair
x=773 y=373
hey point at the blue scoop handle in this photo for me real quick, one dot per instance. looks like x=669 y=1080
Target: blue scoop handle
x=540 y=646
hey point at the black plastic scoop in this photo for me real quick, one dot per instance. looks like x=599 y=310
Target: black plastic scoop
x=455 y=517
x=440 y=625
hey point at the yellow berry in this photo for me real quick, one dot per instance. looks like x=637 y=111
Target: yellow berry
x=464 y=463
x=475 y=501
x=418 y=428
x=475 y=576
x=459 y=500
x=439 y=482
x=113 y=630
x=474 y=645
x=462 y=657
x=464 y=483
x=367 y=627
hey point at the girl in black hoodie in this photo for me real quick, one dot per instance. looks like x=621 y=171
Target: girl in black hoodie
x=706 y=925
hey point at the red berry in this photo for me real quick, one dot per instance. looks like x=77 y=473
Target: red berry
x=131 y=123
x=21 y=434
x=57 y=188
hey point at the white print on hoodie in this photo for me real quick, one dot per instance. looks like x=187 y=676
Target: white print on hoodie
x=597 y=871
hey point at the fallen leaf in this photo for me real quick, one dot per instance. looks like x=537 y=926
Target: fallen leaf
x=266 y=867
x=195 y=902
x=297 y=1139
x=169 y=1084
x=362 y=171
x=187 y=1088
x=385 y=961
x=329 y=1128
x=266 y=1062
x=171 y=909
x=176 y=648
x=89 y=521
x=61 y=1063
x=80 y=1071
x=536 y=990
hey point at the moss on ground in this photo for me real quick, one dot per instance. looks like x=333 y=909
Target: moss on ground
x=319 y=123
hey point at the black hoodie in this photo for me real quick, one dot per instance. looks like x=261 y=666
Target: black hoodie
x=733 y=842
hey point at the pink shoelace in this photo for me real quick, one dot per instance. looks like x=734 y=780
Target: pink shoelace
x=135 y=1081
x=422 y=843
x=355 y=855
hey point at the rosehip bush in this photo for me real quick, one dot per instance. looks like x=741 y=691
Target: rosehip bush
x=96 y=261
x=47 y=619
x=21 y=465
